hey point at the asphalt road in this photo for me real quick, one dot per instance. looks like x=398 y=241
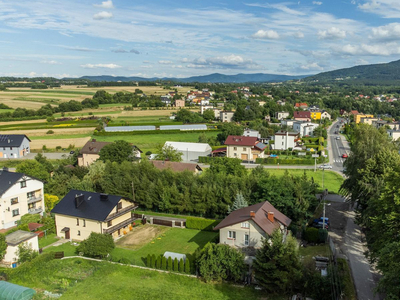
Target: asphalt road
x=337 y=146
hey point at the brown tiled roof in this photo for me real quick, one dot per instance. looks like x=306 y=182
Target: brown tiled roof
x=175 y=166
x=93 y=147
x=261 y=217
x=34 y=226
x=240 y=140
x=301 y=114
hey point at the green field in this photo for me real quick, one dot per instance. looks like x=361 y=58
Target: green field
x=47 y=240
x=149 y=142
x=51 y=91
x=332 y=180
x=82 y=279
x=5 y=110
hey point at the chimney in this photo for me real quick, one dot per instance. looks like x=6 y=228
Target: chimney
x=103 y=197
x=79 y=199
x=5 y=169
x=252 y=214
x=271 y=216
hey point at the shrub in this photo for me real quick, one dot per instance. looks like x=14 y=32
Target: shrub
x=58 y=148
x=50 y=132
x=311 y=235
x=158 y=262
x=153 y=261
x=169 y=264
x=187 y=266
x=25 y=253
x=163 y=263
x=148 y=153
x=176 y=265
x=125 y=261
x=96 y=245
x=181 y=265
x=201 y=223
x=44 y=147
x=322 y=235
x=148 y=261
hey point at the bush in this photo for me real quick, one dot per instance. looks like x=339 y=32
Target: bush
x=163 y=263
x=322 y=235
x=148 y=261
x=58 y=148
x=50 y=132
x=158 y=262
x=311 y=235
x=44 y=147
x=148 y=153
x=125 y=261
x=96 y=245
x=153 y=261
x=181 y=266
x=187 y=266
x=176 y=265
x=169 y=264
x=201 y=223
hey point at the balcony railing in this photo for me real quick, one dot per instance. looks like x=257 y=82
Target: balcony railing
x=120 y=212
x=36 y=210
x=35 y=199
x=119 y=226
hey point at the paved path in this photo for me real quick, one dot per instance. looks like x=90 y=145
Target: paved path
x=56 y=155
x=58 y=243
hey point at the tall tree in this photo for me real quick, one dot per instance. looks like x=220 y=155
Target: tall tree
x=167 y=152
x=238 y=203
x=119 y=151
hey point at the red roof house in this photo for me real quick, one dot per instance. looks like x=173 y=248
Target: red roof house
x=302 y=115
x=244 y=147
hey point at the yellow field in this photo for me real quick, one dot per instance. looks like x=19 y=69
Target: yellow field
x=64 y=143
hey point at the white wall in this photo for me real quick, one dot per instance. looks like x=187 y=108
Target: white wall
x=11 y=255
x=283 y=142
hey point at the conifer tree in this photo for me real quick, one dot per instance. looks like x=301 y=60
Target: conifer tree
x=238 y=203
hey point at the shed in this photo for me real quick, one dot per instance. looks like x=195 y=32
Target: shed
x=174 y=255
x=10 y=291
x=191 y=151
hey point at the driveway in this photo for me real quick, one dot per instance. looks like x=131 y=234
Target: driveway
x=55 y=155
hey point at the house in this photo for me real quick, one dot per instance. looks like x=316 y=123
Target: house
x=284 y=140
x=382 y=123
x=281 y=115
x=368 y=120
x=166 y=99
x=394 y=134
x=304 y=128
x=190 y=151
x=90 y=152
x=177 y=166
x=301 y=105
x=244 y=147
x=14 y=145
x=203 y=108
x=80 y=213
x=19 y=195
x=325 y=115
x=248 y=226
x=357 y=118
x=252 y=132
x=179 y=103
x=302 y=116
x=226 y=116
x=315 y=115
x=15 y=239
x=281 y=102
x=288 y=123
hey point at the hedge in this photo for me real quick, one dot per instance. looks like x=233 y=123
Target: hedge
x=141 y=132
x=311 y=235
x=208 y=159
x=289 y=161
x=201 y=223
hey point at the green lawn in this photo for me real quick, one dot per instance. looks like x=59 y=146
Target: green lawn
x=5 y=110
x=332 y=180
x=49 y=239
x=149 y=142
x=81 y=279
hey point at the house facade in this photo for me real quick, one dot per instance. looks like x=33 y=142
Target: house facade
x=357 y=117
x=90 y=152
x=281 y=115
x=325 y=115
x=13 y=240
x=80 y=213
x=304 y=128
x=244 y=147
x=179 y=103
x=284 y=140
x=190 y=151
x=19 y=195
x=394 y=134
x=226 y=116
x=302 y=116
x=14 y=145
x=246 y=227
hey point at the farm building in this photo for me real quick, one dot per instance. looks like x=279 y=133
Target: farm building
x=14 y=145
x=190 y=151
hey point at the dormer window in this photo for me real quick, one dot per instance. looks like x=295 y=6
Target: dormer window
x=23 y=184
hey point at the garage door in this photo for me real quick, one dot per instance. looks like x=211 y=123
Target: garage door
x=244 y=157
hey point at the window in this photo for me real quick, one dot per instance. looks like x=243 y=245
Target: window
x=30 y=195
x=77 y=221
x=232 y=235
x=14 y=200
x=119 y=206
x=84 y=223
x=23 y=184
x=11 y=149
x=234 y=148
x=245 y=225
x=234 y=154
x=109 y=223
x=246 y=239
x=15 y=212
x=79 y=232
x=244 y=149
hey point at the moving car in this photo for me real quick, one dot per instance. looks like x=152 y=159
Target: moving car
x=325 y=166
x=345 y=155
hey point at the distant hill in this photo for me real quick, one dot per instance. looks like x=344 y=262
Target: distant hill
x=386 y=73
x=212 y=78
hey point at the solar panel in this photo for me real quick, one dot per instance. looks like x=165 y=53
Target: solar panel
x=129 y=128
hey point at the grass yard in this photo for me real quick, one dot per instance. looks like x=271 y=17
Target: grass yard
x=332 y=180
x=49 y=239
x=81 y=279
x=149 y=142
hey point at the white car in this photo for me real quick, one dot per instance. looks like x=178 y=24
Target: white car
x=338 y=138
x=325 y=166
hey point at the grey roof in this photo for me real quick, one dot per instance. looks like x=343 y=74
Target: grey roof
x=184 y=127
x=174 y=255
x=8 y=179
x=12 y=140
x=261 y=146
x=129 y=128
x=18 y=237
x=92 y=207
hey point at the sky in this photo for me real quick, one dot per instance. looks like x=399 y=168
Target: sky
x=176 y=38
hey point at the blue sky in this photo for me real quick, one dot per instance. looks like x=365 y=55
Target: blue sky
x=185 y=38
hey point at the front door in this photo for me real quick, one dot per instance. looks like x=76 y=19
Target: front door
x=67 y=235
x=244 y=157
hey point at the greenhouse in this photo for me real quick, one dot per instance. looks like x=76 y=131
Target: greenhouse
x=10 y=291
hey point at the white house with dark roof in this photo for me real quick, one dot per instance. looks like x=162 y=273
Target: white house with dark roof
x=19 y=195
x=80 y=213
x=14 y=145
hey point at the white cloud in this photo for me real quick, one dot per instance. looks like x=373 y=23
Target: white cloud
x=105 y=4
x=317 y=2
x=78 y=48
x=312 y=67
x=165 y=62
x=332 y=33
x=102 y=15
x=50 y=62
x=361 y=62
x=370 y=50
x=298 y=35
x=278 y=6
x=226 y=61
x=32 y=74
x=387 y=32
x=266 y=34
x=96 y=66
x=384 y=8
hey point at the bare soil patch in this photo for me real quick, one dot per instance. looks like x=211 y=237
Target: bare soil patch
x=8 y=100
x=64 y=143
x=42 y=132
x=140 y=236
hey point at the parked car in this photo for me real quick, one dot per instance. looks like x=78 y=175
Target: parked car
x=345 y=155
x=71 y=152
x=338 y=138
x=325 y=166
x=321 y=219
x=319 y=225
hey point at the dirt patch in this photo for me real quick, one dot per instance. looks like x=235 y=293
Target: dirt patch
x=140 y=236
x=23 y=122
x=43 y=132
x=64 y=143
x=20 y=103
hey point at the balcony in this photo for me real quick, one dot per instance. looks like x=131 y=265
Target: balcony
x=119 y=226
x=36 y=210
x=35 y=199
x=120 y=212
